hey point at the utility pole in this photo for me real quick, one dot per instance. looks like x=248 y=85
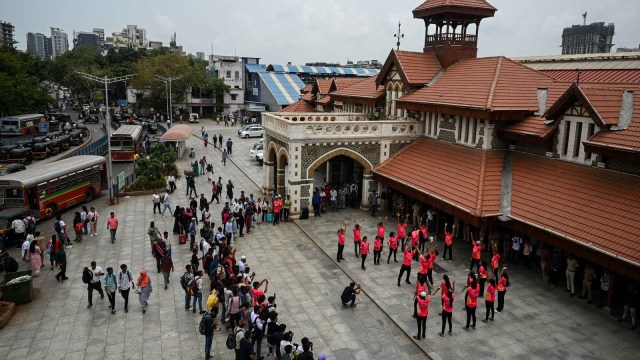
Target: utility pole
x=106 y=81
x=584 y=18
x=399 y=36
x=168 y=80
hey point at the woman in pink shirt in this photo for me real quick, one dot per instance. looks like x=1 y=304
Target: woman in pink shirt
x=447 y=305
x=364 y=251
x=341 y=235
x=402 y=226
x=377 y=250
x=112 y=225
x=490 y=299
x=406 y=262
x=448 y=242
x=423 y=312
x=471 y=303
x=381 y=228
x=393 y=246
x=356 y=238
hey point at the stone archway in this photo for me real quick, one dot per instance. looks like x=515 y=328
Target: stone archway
x=340 y=151
x=269 y=164
x=282 y=162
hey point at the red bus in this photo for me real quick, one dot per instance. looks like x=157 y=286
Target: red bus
x=48 y=188
x=21 y=124
x=126 y=142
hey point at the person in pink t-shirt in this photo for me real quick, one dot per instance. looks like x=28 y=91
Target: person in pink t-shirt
x=423 y=313
x=341 y=236
x=409 y=253
x=357 y=238
x=364 y=251
x=112 y=225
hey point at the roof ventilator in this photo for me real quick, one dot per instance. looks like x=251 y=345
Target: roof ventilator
x=626 y=111
x=542 y=100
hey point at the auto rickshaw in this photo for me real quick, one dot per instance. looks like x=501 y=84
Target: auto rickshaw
x=76 y=137
x=24 y=143
x=39 y=139
x=84 y=128
x=55 y=146
x=54 y=125
x=65 y=142
x=21 y=155
x=6 y=169
x=41 y=150
x=4 y=152
x=152 y=127
x=54 y=134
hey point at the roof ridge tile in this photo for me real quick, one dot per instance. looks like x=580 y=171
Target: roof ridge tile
x=494 y=84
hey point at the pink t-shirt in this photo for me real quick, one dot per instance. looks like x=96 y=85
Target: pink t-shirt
x=401 y=231
x=408 y=256
x=381 y=231
x=393 y=243
x=356 y=234
x=364 y=247
x=476 y=252
x=423 y=306
x=112 y=222
x=256 y=295
x=341 y=238
x=446 y=306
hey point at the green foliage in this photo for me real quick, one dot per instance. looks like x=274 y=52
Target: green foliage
x=146 y=184
x=152 y=170
x=21 y=88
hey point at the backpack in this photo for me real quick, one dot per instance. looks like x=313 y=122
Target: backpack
x=203 y=324
x=128 y=275
x=231 y=340
x=57 y=226
x=201 y=241
x=78 y=227
x=183 y=280
x=87 y=275
x=31 y=226
x=192 y=288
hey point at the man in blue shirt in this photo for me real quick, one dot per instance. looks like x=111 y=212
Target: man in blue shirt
x=111 y=285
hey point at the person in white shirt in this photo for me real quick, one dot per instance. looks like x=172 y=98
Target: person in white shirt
x=166 y=204
x=25 y=251
x=516 y=241
x=242 y=263
x=205 y=247
x=125 y=284
x=333 y=199
x=155 y=198
x=95 y=283
x=19 y=229
x=172 y=183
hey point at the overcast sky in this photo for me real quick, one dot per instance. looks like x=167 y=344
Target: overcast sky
x=303 y=31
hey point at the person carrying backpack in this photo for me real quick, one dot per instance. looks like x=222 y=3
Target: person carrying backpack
x=61 y=230
x=208 y=323
x=185 y=280
x=125 y=284
x=30 y=224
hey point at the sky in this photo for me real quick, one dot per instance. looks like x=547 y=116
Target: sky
x=301 y=31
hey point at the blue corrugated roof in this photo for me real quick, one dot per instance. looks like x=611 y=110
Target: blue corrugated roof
x=285 y=88
x=255 y=68
x=324 y=70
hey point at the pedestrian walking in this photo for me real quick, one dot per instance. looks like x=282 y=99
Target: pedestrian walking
x=110 y=286
x=94 y=283
x=392 y=242
x=92 y=215
x=166 y=203
x=215 y=141
x=490 y=299
x=62 y=262
x=35 y=257
x=155 y=199
x=230 y=188
x=125 y=284
x=364 y=251
x=209 y=327
x=112 y=225
x=373 y=203
x=192 y=232
x=230 y=146
x=185 y=280
x=85 y=221
x=154 y=234
x=631 y=298
x=61 y=230
x=197 y=295
x=220 y=139
x=206 y=139
x=341 y=236
x=423 y=313
x=159 y=252
x=167 y=268
x=53 y=247
x=225 y=155
x=144 y=289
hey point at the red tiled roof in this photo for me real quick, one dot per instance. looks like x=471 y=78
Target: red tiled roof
x=308 y=97
x=324 y=101
x=306 y=89
x=595 y=207
x=414 y=68
x=364 y=89
x=532 y=127
x=479 y=4
x=467 y=178
x=609 y=108
x=494 y=83
x=324 y=86
x=600 y=76
x=343 y=82
x=299 y=106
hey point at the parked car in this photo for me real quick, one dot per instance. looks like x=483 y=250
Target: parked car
x=243 y=128
x=256 y=148
x=194 y=118
x=260 y=156
x=252 y=131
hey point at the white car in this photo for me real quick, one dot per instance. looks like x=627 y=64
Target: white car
x=260 y=156
x=245 y=127
x=193 y=118
x=252 y=131
x=254 y=151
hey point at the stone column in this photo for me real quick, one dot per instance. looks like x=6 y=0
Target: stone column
x=328 y=172
x=366 y=187
x=267 y=182
x=280 y=185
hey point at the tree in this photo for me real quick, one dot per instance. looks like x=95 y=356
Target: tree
x=21 y=83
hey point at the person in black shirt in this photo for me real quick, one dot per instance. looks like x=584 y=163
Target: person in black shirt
x=349 y=294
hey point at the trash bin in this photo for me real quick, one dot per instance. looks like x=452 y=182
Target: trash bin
x=20 y=293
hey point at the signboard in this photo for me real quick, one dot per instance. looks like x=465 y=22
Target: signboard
x=43 y=127
x=121 y=181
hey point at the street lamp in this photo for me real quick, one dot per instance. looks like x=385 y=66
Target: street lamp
x=168 y=80
x=106 y=81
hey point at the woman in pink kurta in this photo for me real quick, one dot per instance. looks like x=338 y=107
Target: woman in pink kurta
x=35 y=257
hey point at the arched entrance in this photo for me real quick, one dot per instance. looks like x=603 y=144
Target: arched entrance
x=269 y=164
x=282 y=169
x=347 y=171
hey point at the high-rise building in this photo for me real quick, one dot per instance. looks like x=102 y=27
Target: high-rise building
x=588 y=39
x=130 y=37
x=59 y=42
x=81 y=38
x=6 y=33
x=200 y=55
x=37 y=45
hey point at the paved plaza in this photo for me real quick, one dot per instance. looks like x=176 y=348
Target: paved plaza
x=298 y=259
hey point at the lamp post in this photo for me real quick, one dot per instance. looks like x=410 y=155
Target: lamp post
x=106 y=81
x=168 y=80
